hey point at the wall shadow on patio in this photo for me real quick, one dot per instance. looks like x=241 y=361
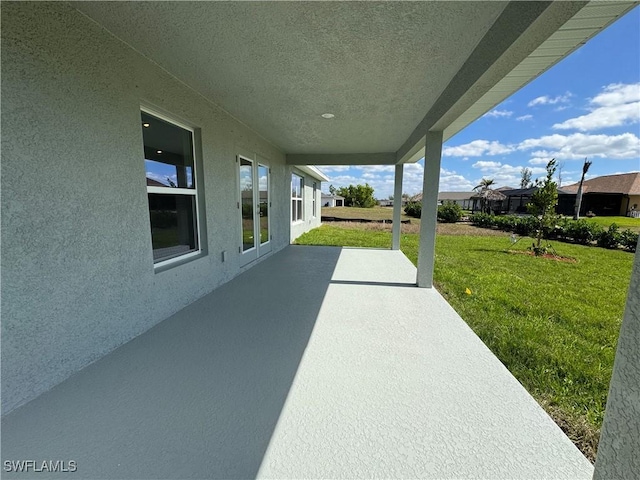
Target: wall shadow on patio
x=197 y=396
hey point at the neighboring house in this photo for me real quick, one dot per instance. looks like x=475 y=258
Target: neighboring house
x=487 y=200
x=461 y=198
x=385 y=203
x=608 y=195
x=329 y=200
x=518 y=198
x=231 y=101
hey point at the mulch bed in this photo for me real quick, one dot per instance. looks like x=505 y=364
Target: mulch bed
x=548 y=256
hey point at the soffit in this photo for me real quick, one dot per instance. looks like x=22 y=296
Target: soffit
x=389 y=71
x=582 y=26
x=277 y=66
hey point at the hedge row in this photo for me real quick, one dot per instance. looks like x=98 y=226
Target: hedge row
x=566 y=230
x=448 y=213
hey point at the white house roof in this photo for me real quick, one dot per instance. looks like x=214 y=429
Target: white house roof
x=314 y=172
x=454 y=195
x=388 y=71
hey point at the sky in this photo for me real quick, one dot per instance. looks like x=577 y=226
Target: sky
x=587 y=105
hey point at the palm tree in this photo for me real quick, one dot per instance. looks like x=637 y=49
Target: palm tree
x=576 y=208
x=485 y=193
x=485 y=184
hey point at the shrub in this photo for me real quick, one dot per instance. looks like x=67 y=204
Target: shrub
x=609 y=238
x=582 y=231
x=507 y=223
x=449 y=212
x=413 y=209
x=629 y=240
x=483 y=220
x=526 y=226
x=560 y=229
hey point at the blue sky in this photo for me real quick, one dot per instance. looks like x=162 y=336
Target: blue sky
x=588 y=105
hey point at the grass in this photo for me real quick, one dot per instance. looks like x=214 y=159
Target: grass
x=622 y=222
x=553 y=324
x=374 y=213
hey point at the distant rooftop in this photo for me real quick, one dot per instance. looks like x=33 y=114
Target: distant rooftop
x=625 y=183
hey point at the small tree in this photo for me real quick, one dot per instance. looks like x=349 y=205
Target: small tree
x=542 y=206
x=358 y=195
x=525 y=177
x=332 y=190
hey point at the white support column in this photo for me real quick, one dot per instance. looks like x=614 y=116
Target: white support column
x=620 y=438
x=397 y=207
x=429 y=217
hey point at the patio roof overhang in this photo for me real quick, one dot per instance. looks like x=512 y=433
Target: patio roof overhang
x=388 y=71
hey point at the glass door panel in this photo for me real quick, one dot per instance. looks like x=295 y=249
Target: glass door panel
x=263 y=202
x=246 y=204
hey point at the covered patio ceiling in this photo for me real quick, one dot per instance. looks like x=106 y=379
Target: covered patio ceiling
x=388 y=71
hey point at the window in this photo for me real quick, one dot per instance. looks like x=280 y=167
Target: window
x=169 y=161
x=315 y=188
x=297 y=188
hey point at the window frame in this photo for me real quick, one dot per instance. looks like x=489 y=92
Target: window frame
x=299 y=200
x=193 y=192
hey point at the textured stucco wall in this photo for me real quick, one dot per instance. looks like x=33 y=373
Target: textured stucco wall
x=309 y=220
x=76 y=259
x=620 y=438
x=633 y=200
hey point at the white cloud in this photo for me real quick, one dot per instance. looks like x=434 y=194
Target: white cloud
x=485 y=166
x=451 y=181
x=498 y=113
x=524 y=118
x=477 y=148
x=618 y=104
x=539 y=161
x=335 y=168
x=547 y=100
x=503 y=174
x=377 y=168
x=580 y=145
x=617 y=94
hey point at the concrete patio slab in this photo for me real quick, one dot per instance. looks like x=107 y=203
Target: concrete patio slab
x=319 y=362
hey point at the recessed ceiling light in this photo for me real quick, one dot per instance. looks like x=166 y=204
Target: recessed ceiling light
x=146 y=125
x=159 y=151
x=327 y=115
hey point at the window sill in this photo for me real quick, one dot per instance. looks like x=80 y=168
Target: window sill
x=177 y=261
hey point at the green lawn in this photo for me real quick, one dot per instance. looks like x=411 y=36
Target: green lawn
x=622 y=222
x=553 y=324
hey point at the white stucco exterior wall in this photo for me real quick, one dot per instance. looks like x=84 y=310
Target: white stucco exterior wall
x=620 y=438
x=77 y=260
x=309 y=220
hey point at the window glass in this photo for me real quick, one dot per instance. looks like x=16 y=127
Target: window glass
x=170 y=172
x=168 y=153
x=297 y=187
x=173 y=225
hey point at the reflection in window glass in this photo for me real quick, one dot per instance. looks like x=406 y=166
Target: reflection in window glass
x=315 y=194
x=173 y=225
x=168 y=153
x=263 y=183
x=246 y=192
x=170 y=171
x=297 y=187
